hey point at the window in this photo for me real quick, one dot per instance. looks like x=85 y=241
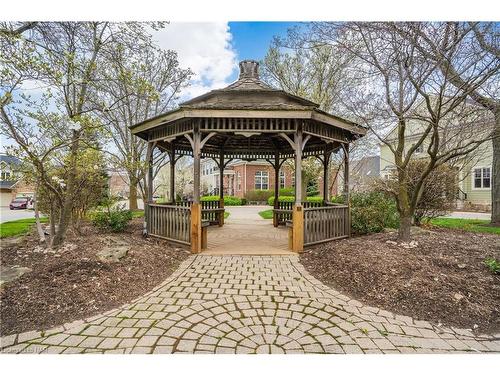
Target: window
x=5 y=175
x=482 y=178
x=261 y=180
x=282 y=179
x=293 y=179
x=238 y=181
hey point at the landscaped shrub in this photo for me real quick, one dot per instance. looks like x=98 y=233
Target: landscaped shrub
x=114 y=219
x=340 y=199
x=290 y=191
x=228 y=200
x=258 y=195
x=372 y=212
x=291 y=198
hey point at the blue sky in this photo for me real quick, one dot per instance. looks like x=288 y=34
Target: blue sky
x=251 y=40
x=211 y=50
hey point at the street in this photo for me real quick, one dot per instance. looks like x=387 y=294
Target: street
x=8 y=215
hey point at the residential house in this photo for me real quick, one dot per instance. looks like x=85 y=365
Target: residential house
x=11 y=185
x=118 y=183
x=363 y=172
x=474 y=177
x=241 y=176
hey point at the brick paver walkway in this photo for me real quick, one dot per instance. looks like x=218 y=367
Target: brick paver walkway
x=247 y=304
x=246 y=233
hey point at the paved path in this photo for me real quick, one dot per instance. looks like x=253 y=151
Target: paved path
x=469 y=215
x=245 y=232
x=247 y=304
x=7 y=214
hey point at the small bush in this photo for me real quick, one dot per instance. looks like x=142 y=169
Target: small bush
x=340 y=199
x=291 y=198
x=493 y=265
x=372 y=212
x=290 y=191
x=258 y=195
x=228 y=200
x=114 y=219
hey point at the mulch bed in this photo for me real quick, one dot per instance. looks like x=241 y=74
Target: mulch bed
x=75 y=284
x=442 y=280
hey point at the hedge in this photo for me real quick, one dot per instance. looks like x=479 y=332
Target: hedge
x=291 y=198
x=228 y=200
x=258 y=195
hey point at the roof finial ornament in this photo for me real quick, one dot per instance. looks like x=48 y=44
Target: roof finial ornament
x=249 y=69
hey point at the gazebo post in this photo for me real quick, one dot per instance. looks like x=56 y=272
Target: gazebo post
x=276 y=186
x=221 y=187
x=172 y=173
x=346 y=172
x=298 y=212
x=346 y=188
x=149 y=192
x=196 y=206
x=326 y=160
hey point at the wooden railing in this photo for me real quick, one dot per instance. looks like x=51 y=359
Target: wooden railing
x=171 y=222
x=210 y=211
x=284 y=210
x=326 y=223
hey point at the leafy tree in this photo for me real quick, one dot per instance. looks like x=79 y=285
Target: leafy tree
x=137 y=83
x=62 y=60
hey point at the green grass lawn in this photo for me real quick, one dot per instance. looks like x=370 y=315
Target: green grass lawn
x=266 y=214
x=137 y=213
x=18 y=227
x=469 y=225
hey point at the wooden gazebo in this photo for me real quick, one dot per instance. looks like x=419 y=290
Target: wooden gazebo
x=247 y=120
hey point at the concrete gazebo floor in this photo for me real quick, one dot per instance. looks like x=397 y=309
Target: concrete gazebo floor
x=246 y=233
x=247 y=304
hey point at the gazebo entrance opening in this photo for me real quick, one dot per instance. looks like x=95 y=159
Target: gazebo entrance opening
x=248 y=120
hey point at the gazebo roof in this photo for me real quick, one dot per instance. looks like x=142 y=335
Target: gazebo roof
x=253 y=114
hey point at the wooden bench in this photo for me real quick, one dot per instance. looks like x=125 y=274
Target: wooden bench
x=219 y=215
x=280 y=216
x=204 y=229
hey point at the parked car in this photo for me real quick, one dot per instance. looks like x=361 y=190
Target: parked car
x=20 y=203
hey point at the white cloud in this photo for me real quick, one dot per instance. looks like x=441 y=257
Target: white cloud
x=205 y=48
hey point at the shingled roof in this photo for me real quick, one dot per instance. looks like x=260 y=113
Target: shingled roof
x=249 y=92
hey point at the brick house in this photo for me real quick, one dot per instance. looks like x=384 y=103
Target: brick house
x=241 y=176
x=118 y=183
x=11 y=185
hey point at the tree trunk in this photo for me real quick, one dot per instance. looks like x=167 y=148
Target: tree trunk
x=404 y=234
x=495 y=178
x=132 y=196
x=67 y=208
x=52 y=221
x=39 y=228
x=404 y=208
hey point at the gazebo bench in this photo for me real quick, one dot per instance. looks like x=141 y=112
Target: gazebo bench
x=281 y=215
x=219 y=215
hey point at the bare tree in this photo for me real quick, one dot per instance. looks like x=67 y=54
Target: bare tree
x=137 y=84
x=400 y=88
x=468 y=54
x=318 y=71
